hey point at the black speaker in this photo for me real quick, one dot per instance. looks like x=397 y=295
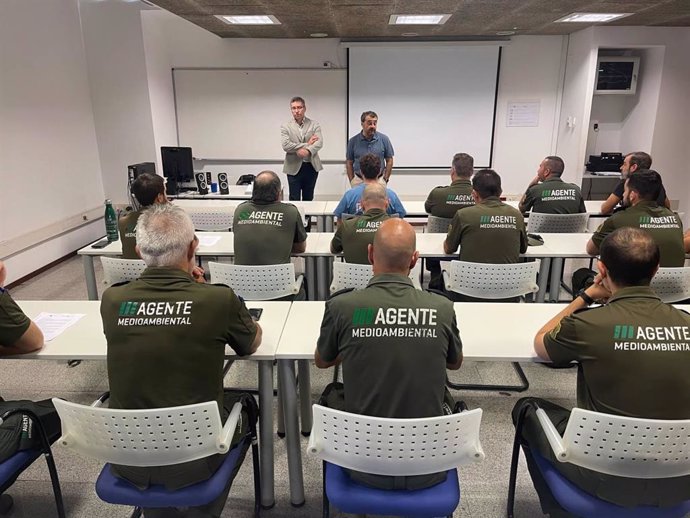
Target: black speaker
x=171 y=187
x=223 y=184
x=201 y=184
x=209 y=179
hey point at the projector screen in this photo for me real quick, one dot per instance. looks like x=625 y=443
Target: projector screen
x=432 y=102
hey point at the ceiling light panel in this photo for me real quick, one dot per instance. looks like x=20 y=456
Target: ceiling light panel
x=592 y=17
x=249 y=20
x=418 y=19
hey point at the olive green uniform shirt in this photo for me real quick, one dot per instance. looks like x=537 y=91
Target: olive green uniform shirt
x=489 y=232
x=395 y=342
x=664 y=225
x=166 y=338
x=127 y=225
x=265 y=232
x=354 y=235
x=445 y=201
x=554 y=196
x=13 y=322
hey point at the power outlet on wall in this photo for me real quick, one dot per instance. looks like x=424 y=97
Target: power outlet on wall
x=595 y=125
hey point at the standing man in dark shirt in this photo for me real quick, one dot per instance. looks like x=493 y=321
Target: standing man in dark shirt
x=626 y=366
x=632 y=162
x=301 y=139
x=548 y=194
x=266 y=230
x=147 y=189
x=166 y=335
x=395 y=344
x=369 y=140
x=445 y=201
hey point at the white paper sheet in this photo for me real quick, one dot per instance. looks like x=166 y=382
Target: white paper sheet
x=208 y=240
x=523 y=114
x=54 y=324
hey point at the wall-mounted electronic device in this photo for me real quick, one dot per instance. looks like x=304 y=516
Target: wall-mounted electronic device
x=616 y=75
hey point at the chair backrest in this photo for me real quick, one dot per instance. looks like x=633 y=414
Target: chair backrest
x=493 y=281
x=153 y=437
x=357 y=276
x=437 y=225
x=347 y=215
x=121 y=270
x=268 y=282
x=212 y=220
x=672 y=284
x=626 y=446
x=557 y=223
x=396 y=446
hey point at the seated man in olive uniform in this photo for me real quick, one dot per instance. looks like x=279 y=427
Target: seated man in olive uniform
x=548 y=194
x=445 y=201
x=353 y=236
x=166 y=335
x=266 y=230
x=640 y=194
x=18 y=334
x=644 y=375
x=395 y=344
x=146 y=189
x=490 y=231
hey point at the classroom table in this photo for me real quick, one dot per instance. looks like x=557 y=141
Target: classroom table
x=235 y=192
x=225 y=247
x=510 y=343
x=85 y=341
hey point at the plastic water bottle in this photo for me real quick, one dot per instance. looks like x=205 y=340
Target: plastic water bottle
x=110 y=222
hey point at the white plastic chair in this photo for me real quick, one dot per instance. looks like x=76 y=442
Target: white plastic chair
x=557 y=223
x=152 y=437
x=212 y=220
x=492 y=281
x=121 y=270
x=614 y=445
x=352 y=275
x=267 y=282
x=437 y=225
x=672 y=284
x=395 y=447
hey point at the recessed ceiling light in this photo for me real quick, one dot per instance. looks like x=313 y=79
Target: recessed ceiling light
x=319 y=35
x=249 y=20
x=592 y=17
x=418 y=19
x=505 y=33
x=410 y=34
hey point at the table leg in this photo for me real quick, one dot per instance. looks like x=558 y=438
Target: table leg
x=329 y=223
x=310 y=274
x=90 y=275
x=305 y=395
x=321 y=223
x=556 y=273
x=266 y=432
x=280 y=425
x=322 y=278
x=543 y=278
x=294 y=453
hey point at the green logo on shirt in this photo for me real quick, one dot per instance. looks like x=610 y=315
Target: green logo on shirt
x=158 y=313
x=623 y=332
x=363 y=316
x=484 y=219
x=244 y=215
x=361 y=223
x=659 y=222
x=546 y=193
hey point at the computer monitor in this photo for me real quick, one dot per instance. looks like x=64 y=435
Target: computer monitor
x=177 y=164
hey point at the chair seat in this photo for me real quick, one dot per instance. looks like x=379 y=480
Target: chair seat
x=115 y=490
x=350 y=497
x=578 y=502
x=10 y=468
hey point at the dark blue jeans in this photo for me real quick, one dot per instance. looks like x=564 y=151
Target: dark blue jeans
x=302 y=184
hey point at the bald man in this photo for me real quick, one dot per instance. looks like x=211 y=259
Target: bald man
x=354 y=235
x=394 y=342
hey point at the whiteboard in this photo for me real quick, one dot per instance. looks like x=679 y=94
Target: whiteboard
x=236 y=114
x=432 y=101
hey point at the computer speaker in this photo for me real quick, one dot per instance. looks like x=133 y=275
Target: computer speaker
x=209 y=178
x=201 y=184
x=223 y=184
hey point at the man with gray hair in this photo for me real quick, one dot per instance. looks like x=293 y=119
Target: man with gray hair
x=353 y=236
x=166 y=338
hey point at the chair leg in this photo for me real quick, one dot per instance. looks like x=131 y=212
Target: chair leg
x=6 y=504
x=326 y=504
x=524 y=383
x=257 y=479
x=56 y=483
x=137 y=512
x=510 y=506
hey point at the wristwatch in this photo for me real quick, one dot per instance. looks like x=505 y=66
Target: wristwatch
x=583 y=295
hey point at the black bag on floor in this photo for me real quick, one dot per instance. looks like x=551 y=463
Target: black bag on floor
x=18 y=432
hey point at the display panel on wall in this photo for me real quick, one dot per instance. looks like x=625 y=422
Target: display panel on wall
x=235 y=114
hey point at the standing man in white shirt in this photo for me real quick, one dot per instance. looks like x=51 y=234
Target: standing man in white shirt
x=301 y=140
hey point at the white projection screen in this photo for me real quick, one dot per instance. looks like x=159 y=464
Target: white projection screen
x=431 y=101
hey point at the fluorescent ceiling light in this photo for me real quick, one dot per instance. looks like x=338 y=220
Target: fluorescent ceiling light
x=249 y=20
x=418 y=19
x=592 y=17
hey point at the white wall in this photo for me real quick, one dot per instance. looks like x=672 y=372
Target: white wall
x=50 y=164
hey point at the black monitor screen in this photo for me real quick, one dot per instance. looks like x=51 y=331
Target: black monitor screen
x=615 y=75
x=177 y=163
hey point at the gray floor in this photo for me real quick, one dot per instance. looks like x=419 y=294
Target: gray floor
x=483 y=486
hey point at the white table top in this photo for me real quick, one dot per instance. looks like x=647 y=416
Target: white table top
x=235 y=192
x=310 y=208
x=85 y=339
x=510 y=342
